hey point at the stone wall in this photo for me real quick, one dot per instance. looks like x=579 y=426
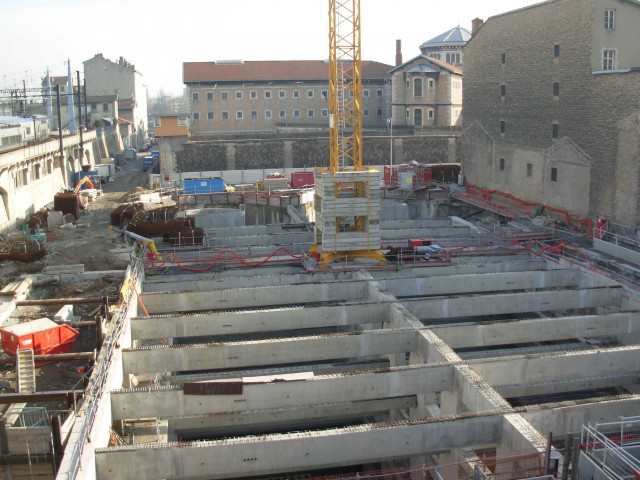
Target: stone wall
x=587 y=111
x=307 y=152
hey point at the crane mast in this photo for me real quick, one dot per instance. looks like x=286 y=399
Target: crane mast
x=347 y=194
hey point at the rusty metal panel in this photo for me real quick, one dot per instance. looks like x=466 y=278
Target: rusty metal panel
x=213 y=388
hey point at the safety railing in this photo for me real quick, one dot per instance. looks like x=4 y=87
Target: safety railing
x=606 y=445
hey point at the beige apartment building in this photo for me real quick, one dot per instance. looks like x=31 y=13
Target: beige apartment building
x=263 y=96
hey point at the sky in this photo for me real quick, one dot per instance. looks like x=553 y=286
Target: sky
x=157 y=36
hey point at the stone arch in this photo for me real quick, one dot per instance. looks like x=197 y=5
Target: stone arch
x=4 y=206
x=86 y=158
x=71 y=163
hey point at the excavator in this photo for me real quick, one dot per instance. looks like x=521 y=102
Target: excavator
x=83 y=180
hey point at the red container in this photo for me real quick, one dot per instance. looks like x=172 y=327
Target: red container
x=302 y=179
x=423 y=175
x=419 y=242
x=43 y=335
x=391 y=173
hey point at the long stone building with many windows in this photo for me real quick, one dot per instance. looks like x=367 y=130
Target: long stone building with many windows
x=261 y=96
x=553 y=115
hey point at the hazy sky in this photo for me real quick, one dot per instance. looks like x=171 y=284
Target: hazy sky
x=158 y=35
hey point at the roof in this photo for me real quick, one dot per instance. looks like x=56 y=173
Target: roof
x=455 y=36
x=124 y=120
x=276 y=70
x=426 y=68
x=59 y=80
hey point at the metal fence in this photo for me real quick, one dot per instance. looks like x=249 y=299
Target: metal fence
x=610 y=447
x=39 y=417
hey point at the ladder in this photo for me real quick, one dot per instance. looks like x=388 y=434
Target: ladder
x=25 y=371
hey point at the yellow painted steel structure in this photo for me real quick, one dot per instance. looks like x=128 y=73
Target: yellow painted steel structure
x=345 y=136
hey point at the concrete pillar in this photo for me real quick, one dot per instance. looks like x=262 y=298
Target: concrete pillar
x=231 y=156
x=288 y=155
x=449 y=403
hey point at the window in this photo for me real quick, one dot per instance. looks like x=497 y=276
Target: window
x=225 y=115
x=196 y=116
x=209 y=95
x=254 y=114
x=504 y=58
x=238 y=95
x=157 y=122
x=529 y=170
x=309 y=93
x=239 y=115
x=310 y=113
x=267 y=94
x=296 y=114
x=407 y=114
x=432 y=83
x=408 y=85
x=325 y=94
x=502 y=164
x=105 y=107
x=608 y=59
x=182 y=121
x=94 y=107
x=417 y=87
x=503 y=126
x=365 y=93
x=555 y=130
x=282 y=114
x=610 y=19
x=431 y=114
x=253 y=94
x=36 y=172
x=195 y=96
x=379 y=112
x=554 y=174
x=267 y=114
x=379 y=93
x=503 y=90
x=282 y=94
x=25 y=176
x=556 y=51
x=209 y=115
x=556 y=89
x=296 y=94
x=365 y=112
x=224 y=96
x=325 y=112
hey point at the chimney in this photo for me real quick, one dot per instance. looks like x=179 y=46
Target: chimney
x=476 y=24
x=398 y=52
x=121 y=60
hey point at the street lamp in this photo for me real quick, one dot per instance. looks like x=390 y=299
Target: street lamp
x=390 y=122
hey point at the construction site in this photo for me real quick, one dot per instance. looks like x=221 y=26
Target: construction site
x=438 y=332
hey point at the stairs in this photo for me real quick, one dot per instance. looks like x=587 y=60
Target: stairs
x=25 y=371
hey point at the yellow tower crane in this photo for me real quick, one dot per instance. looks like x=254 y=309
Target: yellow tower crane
x=347 y=194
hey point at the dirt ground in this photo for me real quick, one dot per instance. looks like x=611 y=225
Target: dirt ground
x=89 y=243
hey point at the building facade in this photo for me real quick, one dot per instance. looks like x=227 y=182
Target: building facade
x=553 y=114
x=104 y=77
x=426 y=93
x=447 y=46
x=261 y=96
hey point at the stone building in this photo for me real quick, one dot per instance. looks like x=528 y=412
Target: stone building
x=426 y=92
x=104 y=77
x=553 y=115
x=262 y=96
x=447 y=46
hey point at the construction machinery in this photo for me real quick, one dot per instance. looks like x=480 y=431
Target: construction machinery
x=82 y=182
x=347 y=194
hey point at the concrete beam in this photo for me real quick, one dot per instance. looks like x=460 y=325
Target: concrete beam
x=503 y=304
x=569 y=417
x=268 y=394
x=272 y=454
x=243 y=322
x=267 y=352
x=551 y=387
x=547 y=367
x=291 y=419
x=489 y=282
x=159 y=302
x=484 y=334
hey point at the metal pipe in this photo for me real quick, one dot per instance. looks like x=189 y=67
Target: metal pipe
x=63 y=301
